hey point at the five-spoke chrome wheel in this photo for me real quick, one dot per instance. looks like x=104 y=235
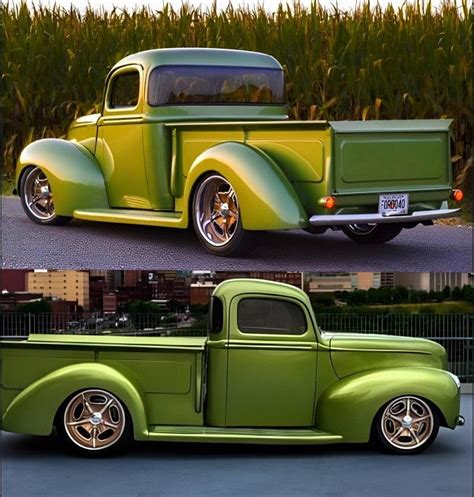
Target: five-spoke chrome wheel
x=37 y=198
x=94 y=420
x=216 y=210
x=408 y=423
x=216 y=217
x=37 y=194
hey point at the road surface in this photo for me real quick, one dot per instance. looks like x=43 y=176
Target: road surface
x=39 y=467
x=87 y=245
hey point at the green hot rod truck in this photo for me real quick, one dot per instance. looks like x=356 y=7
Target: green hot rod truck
x=202 y=137
x=264 y=374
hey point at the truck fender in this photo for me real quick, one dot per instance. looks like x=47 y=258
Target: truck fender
x=349 y=406
x=34 y=409
x=73 y=172
x=266 y=197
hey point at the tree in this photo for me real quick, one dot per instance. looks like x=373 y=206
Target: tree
x=35 y=307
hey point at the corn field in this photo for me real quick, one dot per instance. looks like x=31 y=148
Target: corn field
x=370 y=63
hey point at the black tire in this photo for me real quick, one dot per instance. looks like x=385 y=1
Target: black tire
x=47 y=219
x=75 y=440
x=240 y=242
x=381 y=439
x=372 y=234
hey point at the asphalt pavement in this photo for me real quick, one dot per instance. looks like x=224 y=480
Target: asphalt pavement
x=88 y=245
x=39 y=467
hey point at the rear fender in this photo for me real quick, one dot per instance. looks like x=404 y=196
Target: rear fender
x=349 y=406
x=33 y=411
x=266 y=198
x=74 y=174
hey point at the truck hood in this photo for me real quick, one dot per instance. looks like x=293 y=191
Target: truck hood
x=355 y=352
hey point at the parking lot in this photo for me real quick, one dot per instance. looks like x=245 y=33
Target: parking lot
x=39 y=467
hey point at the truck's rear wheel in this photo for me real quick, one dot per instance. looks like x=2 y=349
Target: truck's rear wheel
x=94 y=421
x=372 y=233
x=406 y=425
x=37 y=198
x=217 y=220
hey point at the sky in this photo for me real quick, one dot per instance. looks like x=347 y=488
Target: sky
x=268 y=4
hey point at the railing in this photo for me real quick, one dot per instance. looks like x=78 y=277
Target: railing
x=452 y=331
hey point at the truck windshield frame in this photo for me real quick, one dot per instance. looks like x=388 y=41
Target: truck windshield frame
x=181 y=84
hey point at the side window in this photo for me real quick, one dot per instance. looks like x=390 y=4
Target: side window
x=125 y=90
x=216 y=315
x=270 y=316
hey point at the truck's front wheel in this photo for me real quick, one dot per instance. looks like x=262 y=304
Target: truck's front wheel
x=37 y=198
x=217 y=220
x=406 y=425
x=372 y=233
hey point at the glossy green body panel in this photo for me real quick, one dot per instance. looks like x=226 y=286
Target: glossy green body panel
x=266 y=197
x=73 y=172
x=233 y=386
x=349 y=406
x=140 y=165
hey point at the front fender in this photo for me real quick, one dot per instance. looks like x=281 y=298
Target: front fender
x=34 y=409
x=266 y=198
x=349 y=406
x=74 y=174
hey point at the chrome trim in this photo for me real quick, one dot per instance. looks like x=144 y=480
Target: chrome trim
x=460 y=421
x=344 y=219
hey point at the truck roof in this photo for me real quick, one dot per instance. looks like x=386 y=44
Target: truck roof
x=199 y=56
x=230 y=288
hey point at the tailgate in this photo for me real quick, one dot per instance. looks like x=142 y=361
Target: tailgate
x=391 y=156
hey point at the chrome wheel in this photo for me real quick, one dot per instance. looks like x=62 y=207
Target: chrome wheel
x=407 y=423
x=216 y=211
x=94 y=419
x=362 y=229
x=37 y=195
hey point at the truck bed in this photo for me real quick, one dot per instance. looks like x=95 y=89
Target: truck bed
x=166 y=370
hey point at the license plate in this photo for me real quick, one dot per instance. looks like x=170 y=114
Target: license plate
x=393 y=204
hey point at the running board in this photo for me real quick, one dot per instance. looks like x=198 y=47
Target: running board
x=131 y=216
x=284 y=436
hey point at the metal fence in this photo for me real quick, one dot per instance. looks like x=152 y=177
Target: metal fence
x=452 y=331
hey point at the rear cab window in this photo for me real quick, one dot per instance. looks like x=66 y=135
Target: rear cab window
x=225 y=85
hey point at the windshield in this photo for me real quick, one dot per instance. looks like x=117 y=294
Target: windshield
x=175 y=85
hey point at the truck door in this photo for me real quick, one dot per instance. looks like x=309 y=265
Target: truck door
x=272 y=354
x=120 y=140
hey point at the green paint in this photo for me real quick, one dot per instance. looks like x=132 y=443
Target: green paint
x=140 y=165
x=310 y=388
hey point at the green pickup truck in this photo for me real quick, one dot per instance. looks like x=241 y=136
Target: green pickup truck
x=201 y=137
x=264 y=374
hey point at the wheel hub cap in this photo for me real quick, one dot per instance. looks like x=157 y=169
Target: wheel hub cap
x=96 y=418
x=407 y=422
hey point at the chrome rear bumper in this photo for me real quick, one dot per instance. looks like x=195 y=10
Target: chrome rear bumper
x=415 y=217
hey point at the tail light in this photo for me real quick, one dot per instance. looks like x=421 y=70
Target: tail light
x=457 y=195
x=328 y=202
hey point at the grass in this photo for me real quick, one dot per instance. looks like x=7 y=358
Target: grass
x=370 y=63
x=448 y=307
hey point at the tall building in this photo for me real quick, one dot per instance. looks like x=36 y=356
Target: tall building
x=72 y=286
x=431 y=281
x=13 y=280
